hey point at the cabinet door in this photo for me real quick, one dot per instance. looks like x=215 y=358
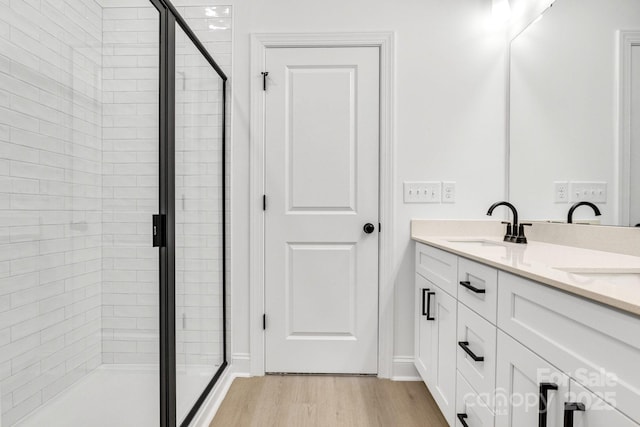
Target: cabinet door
x=594 y=412
x=582 y=338
x=520 y=375
x=442 y=380
x=423 y=329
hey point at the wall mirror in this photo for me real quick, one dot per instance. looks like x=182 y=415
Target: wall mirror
x=574 y=112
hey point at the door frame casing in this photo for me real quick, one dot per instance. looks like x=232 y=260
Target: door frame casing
x=626 y=41
x=260 y=43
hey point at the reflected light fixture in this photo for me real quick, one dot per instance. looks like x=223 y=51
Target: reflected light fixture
x=218 y=27
x=210 y=11
x=500 y=10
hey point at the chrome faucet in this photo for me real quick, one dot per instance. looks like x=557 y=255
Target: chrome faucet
x=512 y=229
x=577 y=205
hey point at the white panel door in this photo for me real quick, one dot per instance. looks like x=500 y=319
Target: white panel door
x=321 y=268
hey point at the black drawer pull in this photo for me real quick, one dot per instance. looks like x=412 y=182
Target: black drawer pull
x=428 y=314
x=462 y=418
x=543 y=397
x=424 y=306
x=472 y=288
x=465 y=346
x=569 y=409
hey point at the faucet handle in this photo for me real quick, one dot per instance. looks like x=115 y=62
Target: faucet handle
x=521 y=237
x=508 y=235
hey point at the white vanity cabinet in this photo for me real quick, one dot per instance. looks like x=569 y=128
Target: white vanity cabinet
x=492 y=347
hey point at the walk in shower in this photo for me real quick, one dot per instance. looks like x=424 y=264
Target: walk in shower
x=112 y=211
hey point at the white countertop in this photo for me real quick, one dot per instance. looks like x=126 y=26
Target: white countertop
x=543 y=262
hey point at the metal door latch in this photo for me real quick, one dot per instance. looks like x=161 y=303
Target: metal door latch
x=158 y=230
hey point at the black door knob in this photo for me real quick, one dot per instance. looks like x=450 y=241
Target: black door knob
x=369 y=228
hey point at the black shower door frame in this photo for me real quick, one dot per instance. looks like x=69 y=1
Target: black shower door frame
x=169 y=17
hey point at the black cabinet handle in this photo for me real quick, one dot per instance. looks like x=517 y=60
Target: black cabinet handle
x=542 y=412
x=462 y=418
x=369 y=228
x=465 y=346
x=429 y=316
x=424 y=306
x=472 y=288
x=569 y=409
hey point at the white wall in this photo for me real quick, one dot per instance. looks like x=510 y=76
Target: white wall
x=450 y=97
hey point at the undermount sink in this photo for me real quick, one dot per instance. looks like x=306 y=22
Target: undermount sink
x=477 y=242
x=616 y=276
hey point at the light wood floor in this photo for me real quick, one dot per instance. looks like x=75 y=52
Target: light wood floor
x=327 y=401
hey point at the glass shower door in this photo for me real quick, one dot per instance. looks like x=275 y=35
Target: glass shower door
x=199 y=224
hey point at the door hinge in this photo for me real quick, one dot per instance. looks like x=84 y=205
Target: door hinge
x=158 y=230
x=264 y=322
x=264 y=202
x=264 y=80
x=379 y=227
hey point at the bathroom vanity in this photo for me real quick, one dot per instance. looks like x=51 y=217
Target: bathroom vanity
x=542 y=334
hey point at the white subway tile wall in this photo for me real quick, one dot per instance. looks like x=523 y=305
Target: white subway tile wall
x=50 y=199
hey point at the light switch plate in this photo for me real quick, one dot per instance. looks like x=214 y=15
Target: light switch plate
x=588 y=191
x=422 y=192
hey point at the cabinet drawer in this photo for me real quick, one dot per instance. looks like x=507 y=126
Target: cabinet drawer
x=478 y=288
x=437 y=266
x=471 y=407
x=596 y=412
x=480 y=338
x=597 y=346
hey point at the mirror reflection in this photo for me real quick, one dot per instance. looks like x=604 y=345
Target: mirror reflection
x=575 y=113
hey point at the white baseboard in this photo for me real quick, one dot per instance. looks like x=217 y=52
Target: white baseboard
x=404 y=369
x=241 y=364
x=239 y=367
x=211 y=404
